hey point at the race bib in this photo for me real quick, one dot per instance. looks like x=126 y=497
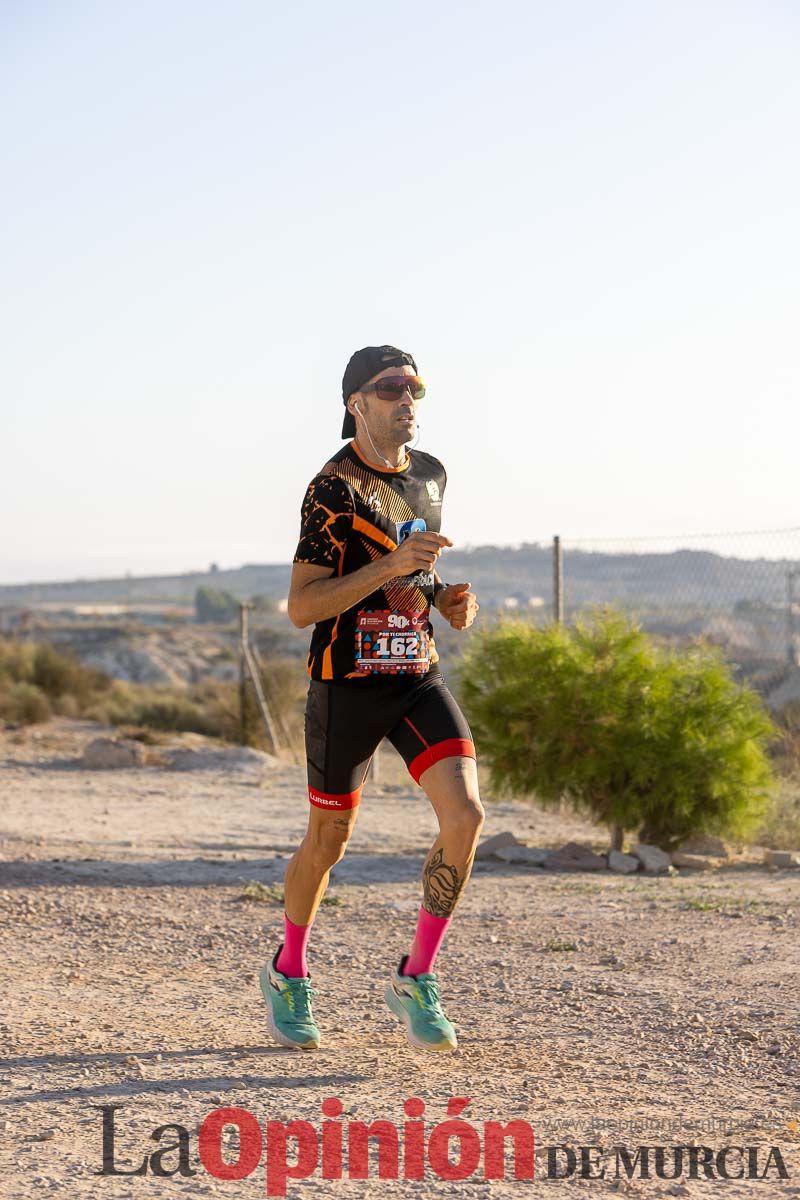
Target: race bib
x=393 y=641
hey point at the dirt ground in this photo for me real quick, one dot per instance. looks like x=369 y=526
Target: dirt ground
x=603 y=1010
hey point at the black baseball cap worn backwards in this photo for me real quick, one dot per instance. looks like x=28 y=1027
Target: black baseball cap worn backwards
x=365 y=363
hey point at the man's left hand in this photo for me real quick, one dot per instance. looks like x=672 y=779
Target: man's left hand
x=458 y=605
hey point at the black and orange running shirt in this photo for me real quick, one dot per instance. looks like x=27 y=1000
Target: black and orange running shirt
x=353 y=514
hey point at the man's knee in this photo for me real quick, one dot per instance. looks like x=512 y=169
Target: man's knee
x=327 y=842
x=466 y=821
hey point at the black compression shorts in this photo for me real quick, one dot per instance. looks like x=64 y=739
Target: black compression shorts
x=344 y=724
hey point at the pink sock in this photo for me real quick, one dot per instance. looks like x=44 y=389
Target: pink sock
x=292 y=958
x=429 y=937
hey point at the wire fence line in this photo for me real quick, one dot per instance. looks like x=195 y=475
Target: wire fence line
x=740 y=591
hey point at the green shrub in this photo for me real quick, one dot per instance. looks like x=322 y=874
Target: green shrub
x=23 y=703
x=57 y=672
x=16 y=660
x=634 y=735
x=210 y=707
x=53 y=670
x=193 y=710
x=37 y=679
x=211 y=604
x=66 y=705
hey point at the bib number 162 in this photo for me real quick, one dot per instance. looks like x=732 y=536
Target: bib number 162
x=398 y=645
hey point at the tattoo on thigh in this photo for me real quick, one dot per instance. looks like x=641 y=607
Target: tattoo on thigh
x=341 y=823
x=441 y=886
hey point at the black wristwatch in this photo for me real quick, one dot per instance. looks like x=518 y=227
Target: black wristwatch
x=438 y=587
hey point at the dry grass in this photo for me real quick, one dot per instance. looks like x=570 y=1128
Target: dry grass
x=781 y=828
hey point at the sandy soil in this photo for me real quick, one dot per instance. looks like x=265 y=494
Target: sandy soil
x=129 y=976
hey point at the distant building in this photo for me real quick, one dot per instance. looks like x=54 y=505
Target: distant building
x=101 y=608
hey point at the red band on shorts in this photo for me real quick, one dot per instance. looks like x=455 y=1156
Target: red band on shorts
x=333 y=799
x=449 y=748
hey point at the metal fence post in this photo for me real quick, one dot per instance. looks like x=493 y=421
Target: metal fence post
x=249 y=666
x=791 y=652
x=259 y=672
x=558 y=581
x=242 y=673
x=255 y=679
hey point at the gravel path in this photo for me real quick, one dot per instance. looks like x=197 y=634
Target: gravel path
x=601 y=1009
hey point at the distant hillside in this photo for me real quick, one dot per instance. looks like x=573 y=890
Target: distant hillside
x=682 y=578
x=679 y=578
x=243 y=582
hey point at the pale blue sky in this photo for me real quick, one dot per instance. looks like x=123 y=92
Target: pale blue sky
x=581 y=220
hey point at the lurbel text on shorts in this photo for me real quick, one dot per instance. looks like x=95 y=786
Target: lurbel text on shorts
x=323 y=799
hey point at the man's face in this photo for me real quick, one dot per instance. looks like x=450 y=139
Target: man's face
x=394 y=420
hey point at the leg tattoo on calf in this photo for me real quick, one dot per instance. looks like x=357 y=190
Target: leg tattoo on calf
x=441 y=886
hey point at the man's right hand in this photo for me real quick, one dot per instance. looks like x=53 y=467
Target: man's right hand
x=418 y=552
x=317 y=594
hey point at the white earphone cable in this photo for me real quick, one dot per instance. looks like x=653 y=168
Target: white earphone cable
x=374 y=447
x=369 y=435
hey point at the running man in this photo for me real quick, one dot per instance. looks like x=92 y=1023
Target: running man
x=364 y=576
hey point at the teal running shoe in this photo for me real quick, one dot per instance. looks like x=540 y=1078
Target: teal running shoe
x=289 y=1015
x=415 y=1000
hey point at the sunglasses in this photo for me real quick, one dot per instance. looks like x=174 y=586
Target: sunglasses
x=394 y=386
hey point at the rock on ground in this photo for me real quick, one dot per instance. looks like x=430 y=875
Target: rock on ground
x=782 y=858
x=111 y=753
x=574 y=857
x=488 y=847
x=625 y=864
x=532 y=856
x=654 y=860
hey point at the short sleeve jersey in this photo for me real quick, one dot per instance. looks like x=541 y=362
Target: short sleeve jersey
x=353 y=514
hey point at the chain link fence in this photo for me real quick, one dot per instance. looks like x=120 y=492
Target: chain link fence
x=740 y=591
